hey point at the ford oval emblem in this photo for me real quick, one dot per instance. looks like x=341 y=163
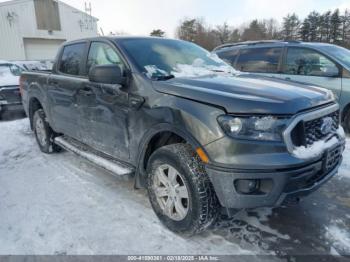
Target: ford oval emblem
x=326 y=126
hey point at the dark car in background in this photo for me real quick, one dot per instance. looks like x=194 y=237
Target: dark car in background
x=10 y=97
x=320 y=64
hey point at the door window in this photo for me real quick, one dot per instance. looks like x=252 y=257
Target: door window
x=229 y=56
x=303 y=61
x=102 y=54
x=72 y=58
x=259 y=60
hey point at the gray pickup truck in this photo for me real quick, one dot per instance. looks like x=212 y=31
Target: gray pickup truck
x=202 y=138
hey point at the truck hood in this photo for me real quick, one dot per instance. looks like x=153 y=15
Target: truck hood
x=247 y=93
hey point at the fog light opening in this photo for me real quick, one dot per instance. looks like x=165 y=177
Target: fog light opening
x=247 y=186
x=253 y=186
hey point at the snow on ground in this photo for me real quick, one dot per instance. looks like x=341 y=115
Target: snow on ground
x=339 y=235
x=58 y=204
x=61 y=204
x=345 y=167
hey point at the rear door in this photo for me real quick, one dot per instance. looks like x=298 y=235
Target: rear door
x=260 y=60
x=103 y=108
x=63 y=87
x=310 y=66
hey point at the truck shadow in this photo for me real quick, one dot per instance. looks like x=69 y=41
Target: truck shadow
x=11 y=116
x=318 y=225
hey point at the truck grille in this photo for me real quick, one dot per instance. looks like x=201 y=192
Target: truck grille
x=308 y=132
x=313 y=130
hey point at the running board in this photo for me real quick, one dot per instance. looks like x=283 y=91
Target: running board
x=97 y=158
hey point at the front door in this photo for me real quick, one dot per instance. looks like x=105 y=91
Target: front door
x=103 y=108
x=311 y=67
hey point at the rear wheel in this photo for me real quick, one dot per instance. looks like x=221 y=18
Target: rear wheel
x=43 y=133
x=180 y=191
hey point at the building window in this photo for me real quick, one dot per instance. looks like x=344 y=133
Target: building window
x=47 y=15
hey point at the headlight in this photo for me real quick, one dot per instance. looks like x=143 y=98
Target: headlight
x=267 y=128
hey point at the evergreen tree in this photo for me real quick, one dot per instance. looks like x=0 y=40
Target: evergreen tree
x=314 y=24
x=235 y=36
x=304 y=31
x=157 y=32
x=325 y=24
x=290 y=27
x=336 y=22
x=346 y=28
x=255 y=31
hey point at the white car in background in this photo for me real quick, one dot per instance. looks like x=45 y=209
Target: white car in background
x=10 y=97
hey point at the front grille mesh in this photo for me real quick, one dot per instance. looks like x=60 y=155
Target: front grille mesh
x=306 y=133
x=313 y=128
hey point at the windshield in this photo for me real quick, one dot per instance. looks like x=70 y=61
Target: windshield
x=10 y=69
x=165 y=57
x=338 y=52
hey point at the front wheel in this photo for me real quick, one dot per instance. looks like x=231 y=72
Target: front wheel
x=43 y=133
x=180 y=191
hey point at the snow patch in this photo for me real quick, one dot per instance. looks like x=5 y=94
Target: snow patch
x=263 y=214
x=340 y=237
x=199 y=68
x=153 y=70
x=61 y=204
x=318 y=147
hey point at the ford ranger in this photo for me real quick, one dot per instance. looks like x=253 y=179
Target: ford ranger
x=201 y=137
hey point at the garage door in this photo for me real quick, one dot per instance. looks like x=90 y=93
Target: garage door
x=41 y=49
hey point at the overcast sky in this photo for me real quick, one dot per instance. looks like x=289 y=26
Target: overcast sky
x=140 y=17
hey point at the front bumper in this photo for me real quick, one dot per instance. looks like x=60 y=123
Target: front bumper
x=286 y=183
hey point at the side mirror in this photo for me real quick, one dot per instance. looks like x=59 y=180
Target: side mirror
x=106 y=74
x=331 y=71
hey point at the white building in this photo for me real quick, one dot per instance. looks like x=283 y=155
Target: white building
x=34 y=29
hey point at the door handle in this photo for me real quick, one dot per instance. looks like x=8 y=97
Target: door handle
x=287 y=78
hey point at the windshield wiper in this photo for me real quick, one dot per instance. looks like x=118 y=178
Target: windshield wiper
x=163 y=78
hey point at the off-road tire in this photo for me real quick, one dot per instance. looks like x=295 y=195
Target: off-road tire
x=49 y=146
x=203 y=203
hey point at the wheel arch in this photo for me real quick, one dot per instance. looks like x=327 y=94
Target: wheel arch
x=34 y=105
x=158 y=136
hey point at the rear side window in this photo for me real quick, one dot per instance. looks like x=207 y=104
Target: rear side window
x=259 y=60
x=304 y=61
x=72 y=58
x=229 y=56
